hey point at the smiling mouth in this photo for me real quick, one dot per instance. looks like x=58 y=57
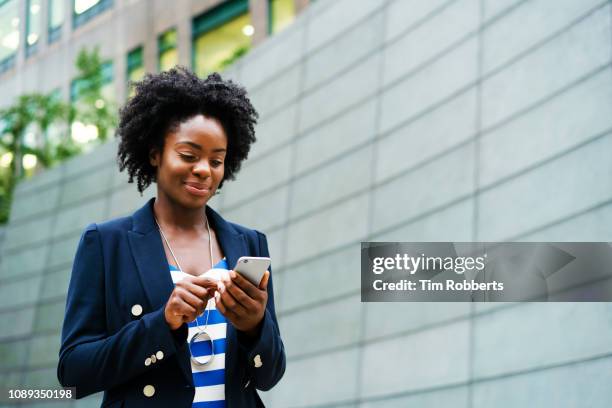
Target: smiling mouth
x=198 y=190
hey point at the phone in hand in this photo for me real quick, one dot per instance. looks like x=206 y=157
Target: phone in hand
x=252 y=268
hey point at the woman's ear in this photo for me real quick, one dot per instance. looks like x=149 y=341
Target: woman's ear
x=154 y=157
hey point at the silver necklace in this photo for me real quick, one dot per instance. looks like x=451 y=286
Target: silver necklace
x=202 y=334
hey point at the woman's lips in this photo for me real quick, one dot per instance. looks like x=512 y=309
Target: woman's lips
x=197 y=189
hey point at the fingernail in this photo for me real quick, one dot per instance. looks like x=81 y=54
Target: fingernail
x=232 y=274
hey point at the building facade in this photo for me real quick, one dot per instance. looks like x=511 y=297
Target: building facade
x=40 y=40
x=401 y=120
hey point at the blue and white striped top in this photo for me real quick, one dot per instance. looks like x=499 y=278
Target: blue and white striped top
x=209 y=380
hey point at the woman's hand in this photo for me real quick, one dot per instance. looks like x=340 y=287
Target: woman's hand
x=188 y=300
x=243 y=303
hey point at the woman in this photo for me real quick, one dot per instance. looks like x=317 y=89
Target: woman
x=140 y=289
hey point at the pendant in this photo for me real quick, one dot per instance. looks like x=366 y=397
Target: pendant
x=202 y=336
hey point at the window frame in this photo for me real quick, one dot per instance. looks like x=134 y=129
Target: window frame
x=162 y=48
x=54 y=33
x=8 y=62
x=214 y=18
x=31 y=49
x=98 y=8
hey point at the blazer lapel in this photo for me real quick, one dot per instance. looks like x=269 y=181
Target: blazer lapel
x=231 y=241
x=150 y=257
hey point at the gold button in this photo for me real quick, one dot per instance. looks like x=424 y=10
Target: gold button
x=257 y=361
x=153 y=358
x=148 y=362
x=137 y=310
x=159 y=355
x=148 y=390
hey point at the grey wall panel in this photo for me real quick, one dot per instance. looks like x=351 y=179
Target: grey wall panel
x=431 y=185
x=327 y=326
x=412 y=356
x=562 y=386
x=302 y=387
x=416 y=92
x=582 y=48
x=420 y=140
x=556 y=126
x=538 y=20
x=452 y=222
x=457 y=397
x=353 y=45
x=332 y=139
x=281 y=53
x=543 y=334
x=262 y=212
x=332 y=20
x=393 y=319
x=330 y=228
x=23 y=262
x=419 y=45
x=349 y=88
x=330 y=276
x=332 y=182
x=274 y=131
x=592 y=224
x=503 y=208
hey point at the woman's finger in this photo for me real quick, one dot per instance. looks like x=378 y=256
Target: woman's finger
x=247 y=287
x=231 y=304
x=177 y=306
x=239 y=295
x=197 y=290
x=204 y=282
x=263 y=285
x=194 y=301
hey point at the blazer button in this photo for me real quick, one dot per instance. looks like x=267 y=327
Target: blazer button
x=148 y=391
x=136 y=310
x=148 y=361
x=153 y=358
x=257 y=361
x=159 y=355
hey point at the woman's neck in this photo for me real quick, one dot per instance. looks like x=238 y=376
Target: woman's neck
x=174 y=217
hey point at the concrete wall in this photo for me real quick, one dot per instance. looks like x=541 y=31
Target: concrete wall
x=385 y=120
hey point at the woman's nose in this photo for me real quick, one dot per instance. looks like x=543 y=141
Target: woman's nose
x=202 y=168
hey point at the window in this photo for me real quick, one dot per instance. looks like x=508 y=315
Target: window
x=135 y=67
x=85 y=10
x=33 y=13
x=82 y=98
x=166 y=47
x=220 y=36
x=56 y=19
x=281 y=13
x=80 y=86
x=9 y=33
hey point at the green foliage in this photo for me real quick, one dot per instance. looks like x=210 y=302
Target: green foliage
x=91 y=107
x=38 y=113
x=238 y=52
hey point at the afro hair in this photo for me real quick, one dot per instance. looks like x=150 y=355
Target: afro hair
x=162 y=101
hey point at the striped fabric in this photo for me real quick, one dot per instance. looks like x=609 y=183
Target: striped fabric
x=209 y=380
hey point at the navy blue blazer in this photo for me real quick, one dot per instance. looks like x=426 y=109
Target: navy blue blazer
x=115 y=320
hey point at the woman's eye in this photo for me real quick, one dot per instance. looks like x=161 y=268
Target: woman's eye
x=187 y=157
x=216 y=163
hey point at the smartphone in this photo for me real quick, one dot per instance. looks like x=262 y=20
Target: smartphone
x=252 y=268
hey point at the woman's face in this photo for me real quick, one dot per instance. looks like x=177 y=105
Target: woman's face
x=192 y=164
